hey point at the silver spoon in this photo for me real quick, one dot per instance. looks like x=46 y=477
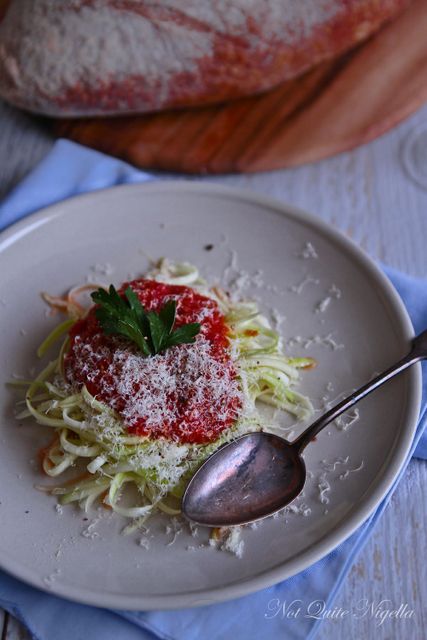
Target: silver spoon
x=259 y=473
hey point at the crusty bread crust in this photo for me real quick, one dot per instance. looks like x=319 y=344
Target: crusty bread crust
x=99 y=57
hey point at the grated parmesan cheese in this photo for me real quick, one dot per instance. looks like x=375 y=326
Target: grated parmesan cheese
x=228 y=539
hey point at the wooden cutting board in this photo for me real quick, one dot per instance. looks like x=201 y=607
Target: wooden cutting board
x=334 y=107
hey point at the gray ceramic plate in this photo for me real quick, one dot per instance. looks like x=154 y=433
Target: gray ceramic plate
x=339 y=308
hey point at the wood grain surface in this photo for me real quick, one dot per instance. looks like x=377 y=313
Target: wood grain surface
x=366 y=193
x=335 y=107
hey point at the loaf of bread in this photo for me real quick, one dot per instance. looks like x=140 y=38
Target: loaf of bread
x=98 y=57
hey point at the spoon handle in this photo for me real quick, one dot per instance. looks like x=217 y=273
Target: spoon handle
x=417 y=353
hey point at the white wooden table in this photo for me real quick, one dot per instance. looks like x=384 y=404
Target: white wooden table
x=369 y=195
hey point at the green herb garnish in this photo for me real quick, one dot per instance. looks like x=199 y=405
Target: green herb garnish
x=152 y=332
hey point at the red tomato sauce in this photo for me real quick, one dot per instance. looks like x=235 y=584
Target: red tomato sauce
x=189 y=393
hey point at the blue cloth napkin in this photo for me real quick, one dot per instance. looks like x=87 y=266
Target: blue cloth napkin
x=70 y=169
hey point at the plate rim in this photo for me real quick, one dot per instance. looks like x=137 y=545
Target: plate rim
x=341 y=531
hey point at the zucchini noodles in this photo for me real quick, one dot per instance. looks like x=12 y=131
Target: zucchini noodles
x=91 y=439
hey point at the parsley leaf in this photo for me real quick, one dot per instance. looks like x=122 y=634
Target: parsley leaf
x=152 y=332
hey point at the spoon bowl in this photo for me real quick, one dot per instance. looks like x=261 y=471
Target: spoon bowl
x=252 y=477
